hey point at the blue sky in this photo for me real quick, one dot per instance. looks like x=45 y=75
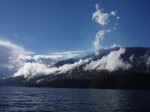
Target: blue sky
x=46 y=26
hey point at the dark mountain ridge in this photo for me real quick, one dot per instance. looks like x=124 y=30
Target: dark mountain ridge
x=137 y=77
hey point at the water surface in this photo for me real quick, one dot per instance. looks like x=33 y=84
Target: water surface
x=73 y=100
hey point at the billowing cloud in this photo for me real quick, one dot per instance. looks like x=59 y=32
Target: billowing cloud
x=103 y=19
x=48 y=59
x=111 y=62
x=12 y=54
x=42 y=59
x=14 y=57
x=35 y=65
x=35 y=69
x=99 y=36
x=100 y=17
x=9 y=53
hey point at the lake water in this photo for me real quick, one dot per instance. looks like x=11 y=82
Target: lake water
x=73 y=100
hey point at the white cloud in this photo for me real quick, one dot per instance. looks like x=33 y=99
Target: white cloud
x=35 y=69
x=99 y=36
x=42 y=59
x=100 y=17
x=115 y=45
x=9 y=53
x=35 y=65
x=113 y=13
x=111 y=62
x=69 y=54
x=14 y=57
x=48 y=59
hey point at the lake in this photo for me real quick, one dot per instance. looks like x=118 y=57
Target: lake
x=73 y=100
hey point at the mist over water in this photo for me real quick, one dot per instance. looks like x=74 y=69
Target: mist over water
x=73 y=100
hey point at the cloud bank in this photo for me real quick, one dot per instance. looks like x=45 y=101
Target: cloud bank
x=9 y=53
x=35 y=65
x=111 y=62
x=30 y=70
x=48 y=60
x=14 y=57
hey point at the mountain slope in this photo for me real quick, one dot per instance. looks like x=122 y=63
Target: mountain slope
x=106 y=70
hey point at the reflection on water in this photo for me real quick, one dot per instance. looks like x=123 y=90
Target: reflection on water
x=73 y=100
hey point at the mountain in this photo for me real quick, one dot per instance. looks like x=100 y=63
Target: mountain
x=118 y=68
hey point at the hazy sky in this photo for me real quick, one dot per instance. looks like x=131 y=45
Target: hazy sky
x=46 y=26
